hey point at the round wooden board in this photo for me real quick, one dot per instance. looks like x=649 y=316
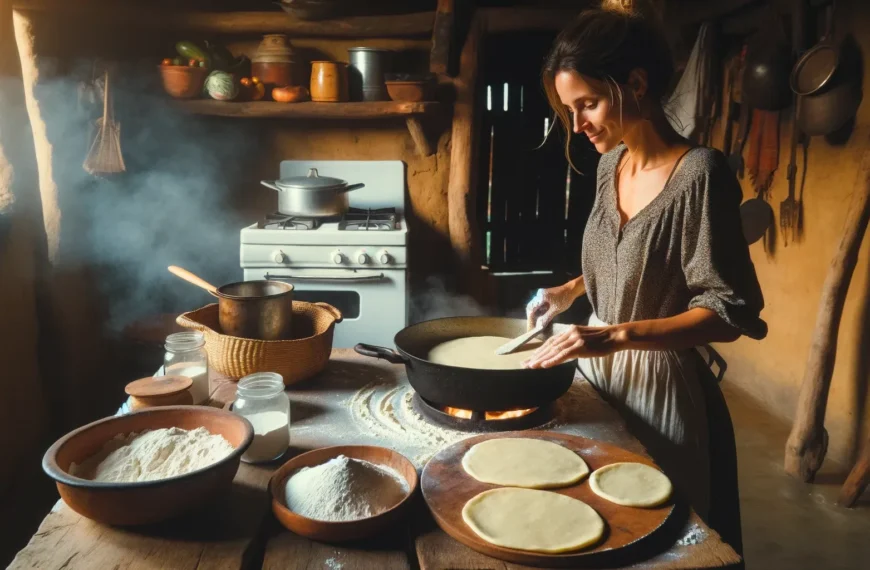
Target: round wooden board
x=447 y=487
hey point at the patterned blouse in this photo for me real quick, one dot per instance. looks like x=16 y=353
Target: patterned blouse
x=685 y=249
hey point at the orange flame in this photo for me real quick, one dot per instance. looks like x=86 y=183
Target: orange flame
x=466 y=414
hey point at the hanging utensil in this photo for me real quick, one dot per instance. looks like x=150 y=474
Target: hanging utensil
x=827 y=83
x=735 y=156
x=789 y=209
x=104 y=156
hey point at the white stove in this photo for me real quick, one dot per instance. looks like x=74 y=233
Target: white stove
x=357 y=263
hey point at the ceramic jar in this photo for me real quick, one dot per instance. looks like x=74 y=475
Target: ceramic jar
x=273 y=62
x=328 y=81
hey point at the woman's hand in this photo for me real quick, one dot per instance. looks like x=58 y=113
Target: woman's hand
x=578 y=342
x=548 y=303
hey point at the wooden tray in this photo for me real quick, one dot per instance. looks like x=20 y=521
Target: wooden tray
x=447 y=487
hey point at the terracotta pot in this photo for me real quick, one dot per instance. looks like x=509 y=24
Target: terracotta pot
x=328 y=81
x=273 y=62
x=183 y=82
x=412 y=91
x=126 y=504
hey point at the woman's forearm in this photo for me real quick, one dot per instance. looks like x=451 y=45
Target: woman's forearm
x=693 y=328
x=576 y=287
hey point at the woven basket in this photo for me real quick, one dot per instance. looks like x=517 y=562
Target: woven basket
x=297 y=359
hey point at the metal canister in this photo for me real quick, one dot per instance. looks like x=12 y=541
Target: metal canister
x=367 y=69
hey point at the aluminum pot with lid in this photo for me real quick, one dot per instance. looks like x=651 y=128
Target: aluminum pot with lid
x=312 y=195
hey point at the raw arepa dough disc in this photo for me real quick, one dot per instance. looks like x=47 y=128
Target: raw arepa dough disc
x=478 y=352
x=524 y=462
x=631 y=484
x=528 y=519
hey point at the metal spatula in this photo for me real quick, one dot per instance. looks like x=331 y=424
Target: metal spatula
x=514 y=344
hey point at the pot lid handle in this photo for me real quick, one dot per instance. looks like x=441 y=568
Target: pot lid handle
x=312 y=173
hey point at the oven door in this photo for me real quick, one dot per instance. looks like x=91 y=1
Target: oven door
x=373 y=302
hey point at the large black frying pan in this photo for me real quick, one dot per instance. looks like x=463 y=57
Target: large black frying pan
x=467 y=388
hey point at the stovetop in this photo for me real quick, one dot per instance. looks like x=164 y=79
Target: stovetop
x=355 y=219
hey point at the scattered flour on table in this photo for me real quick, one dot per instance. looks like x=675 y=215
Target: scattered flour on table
x=344 y=489
x=694 y=535
x=386 y=412
x=333 y=564
x=154 y=454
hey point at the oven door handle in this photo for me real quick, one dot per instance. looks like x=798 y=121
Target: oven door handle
x=352 y=279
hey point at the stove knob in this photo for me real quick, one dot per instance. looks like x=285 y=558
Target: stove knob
x=385 y=258
x=279 y=257
x=337 y=257
x=362 y=257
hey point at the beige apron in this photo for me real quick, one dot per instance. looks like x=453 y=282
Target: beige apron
x=659 y=394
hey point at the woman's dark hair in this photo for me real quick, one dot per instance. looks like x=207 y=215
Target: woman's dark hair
x=606 y=44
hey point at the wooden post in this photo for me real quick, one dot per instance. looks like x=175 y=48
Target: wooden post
x=857 y=480
x=808 y=441
x=418 y=135
x=460 y=189
x=440 y=55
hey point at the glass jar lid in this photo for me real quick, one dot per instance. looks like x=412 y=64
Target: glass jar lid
x=184 y=341
x=260 y=385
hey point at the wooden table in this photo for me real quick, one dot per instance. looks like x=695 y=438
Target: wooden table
x=240 y=531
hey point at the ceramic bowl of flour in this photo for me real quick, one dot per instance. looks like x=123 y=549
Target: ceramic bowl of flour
x=398 y=499
x=145 y=502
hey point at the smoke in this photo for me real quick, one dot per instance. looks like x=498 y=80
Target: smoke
x=434 y=301
x=174 y=205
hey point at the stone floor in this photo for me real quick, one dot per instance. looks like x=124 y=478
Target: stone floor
x=788 y=524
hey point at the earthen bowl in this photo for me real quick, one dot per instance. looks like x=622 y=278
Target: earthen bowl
x=328 y=531
x=183 y=82
x=128 y=504
x=412 y=91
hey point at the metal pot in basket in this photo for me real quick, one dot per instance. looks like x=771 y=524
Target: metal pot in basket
x=312 y=195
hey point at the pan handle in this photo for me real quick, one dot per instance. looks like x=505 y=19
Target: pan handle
x=380 y=352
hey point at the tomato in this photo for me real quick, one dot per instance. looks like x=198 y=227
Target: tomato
x=289 y=94
x=245 y=81
x=166 y=61
x=258 y=91
x=255 y=79
x=193 y=63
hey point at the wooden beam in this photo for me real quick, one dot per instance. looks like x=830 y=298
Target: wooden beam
x=442 y=38
x=418 y=135
x=363 y=110
x=685 y=13
x=808 y=441
x=498 y=20
x=140 y=16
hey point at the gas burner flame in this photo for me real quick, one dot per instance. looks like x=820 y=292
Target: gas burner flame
x=467 y=414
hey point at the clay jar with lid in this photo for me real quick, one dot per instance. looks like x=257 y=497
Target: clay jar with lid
x=273 y=62
x=328 y=81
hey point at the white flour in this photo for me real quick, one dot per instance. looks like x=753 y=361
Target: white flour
x=387 y=412
x=271 y=436
x=343 y=489
x=156 y=454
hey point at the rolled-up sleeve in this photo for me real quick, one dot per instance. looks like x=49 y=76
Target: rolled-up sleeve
x=715 y=256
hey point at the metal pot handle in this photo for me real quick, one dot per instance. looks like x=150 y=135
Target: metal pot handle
x=352 y=187
x=270 y=184
x=380 y=352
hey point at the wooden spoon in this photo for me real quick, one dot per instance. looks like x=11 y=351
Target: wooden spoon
x=514 y=344
x=191 y=278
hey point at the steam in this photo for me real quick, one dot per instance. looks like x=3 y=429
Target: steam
x=434 y=301
x=172 y=206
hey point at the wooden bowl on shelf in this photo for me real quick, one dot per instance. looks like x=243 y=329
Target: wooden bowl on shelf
x=128 y=504
x=409 y=87
x=183 y=82
x=341 y=531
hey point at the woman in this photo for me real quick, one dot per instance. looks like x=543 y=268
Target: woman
x=665 y=264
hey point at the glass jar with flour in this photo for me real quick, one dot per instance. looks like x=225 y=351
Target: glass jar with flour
x=186 y=356
x=260 y=397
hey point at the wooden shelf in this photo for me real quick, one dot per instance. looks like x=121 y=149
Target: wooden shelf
x=371 y=110
x=308 y=109
x=276 y=21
